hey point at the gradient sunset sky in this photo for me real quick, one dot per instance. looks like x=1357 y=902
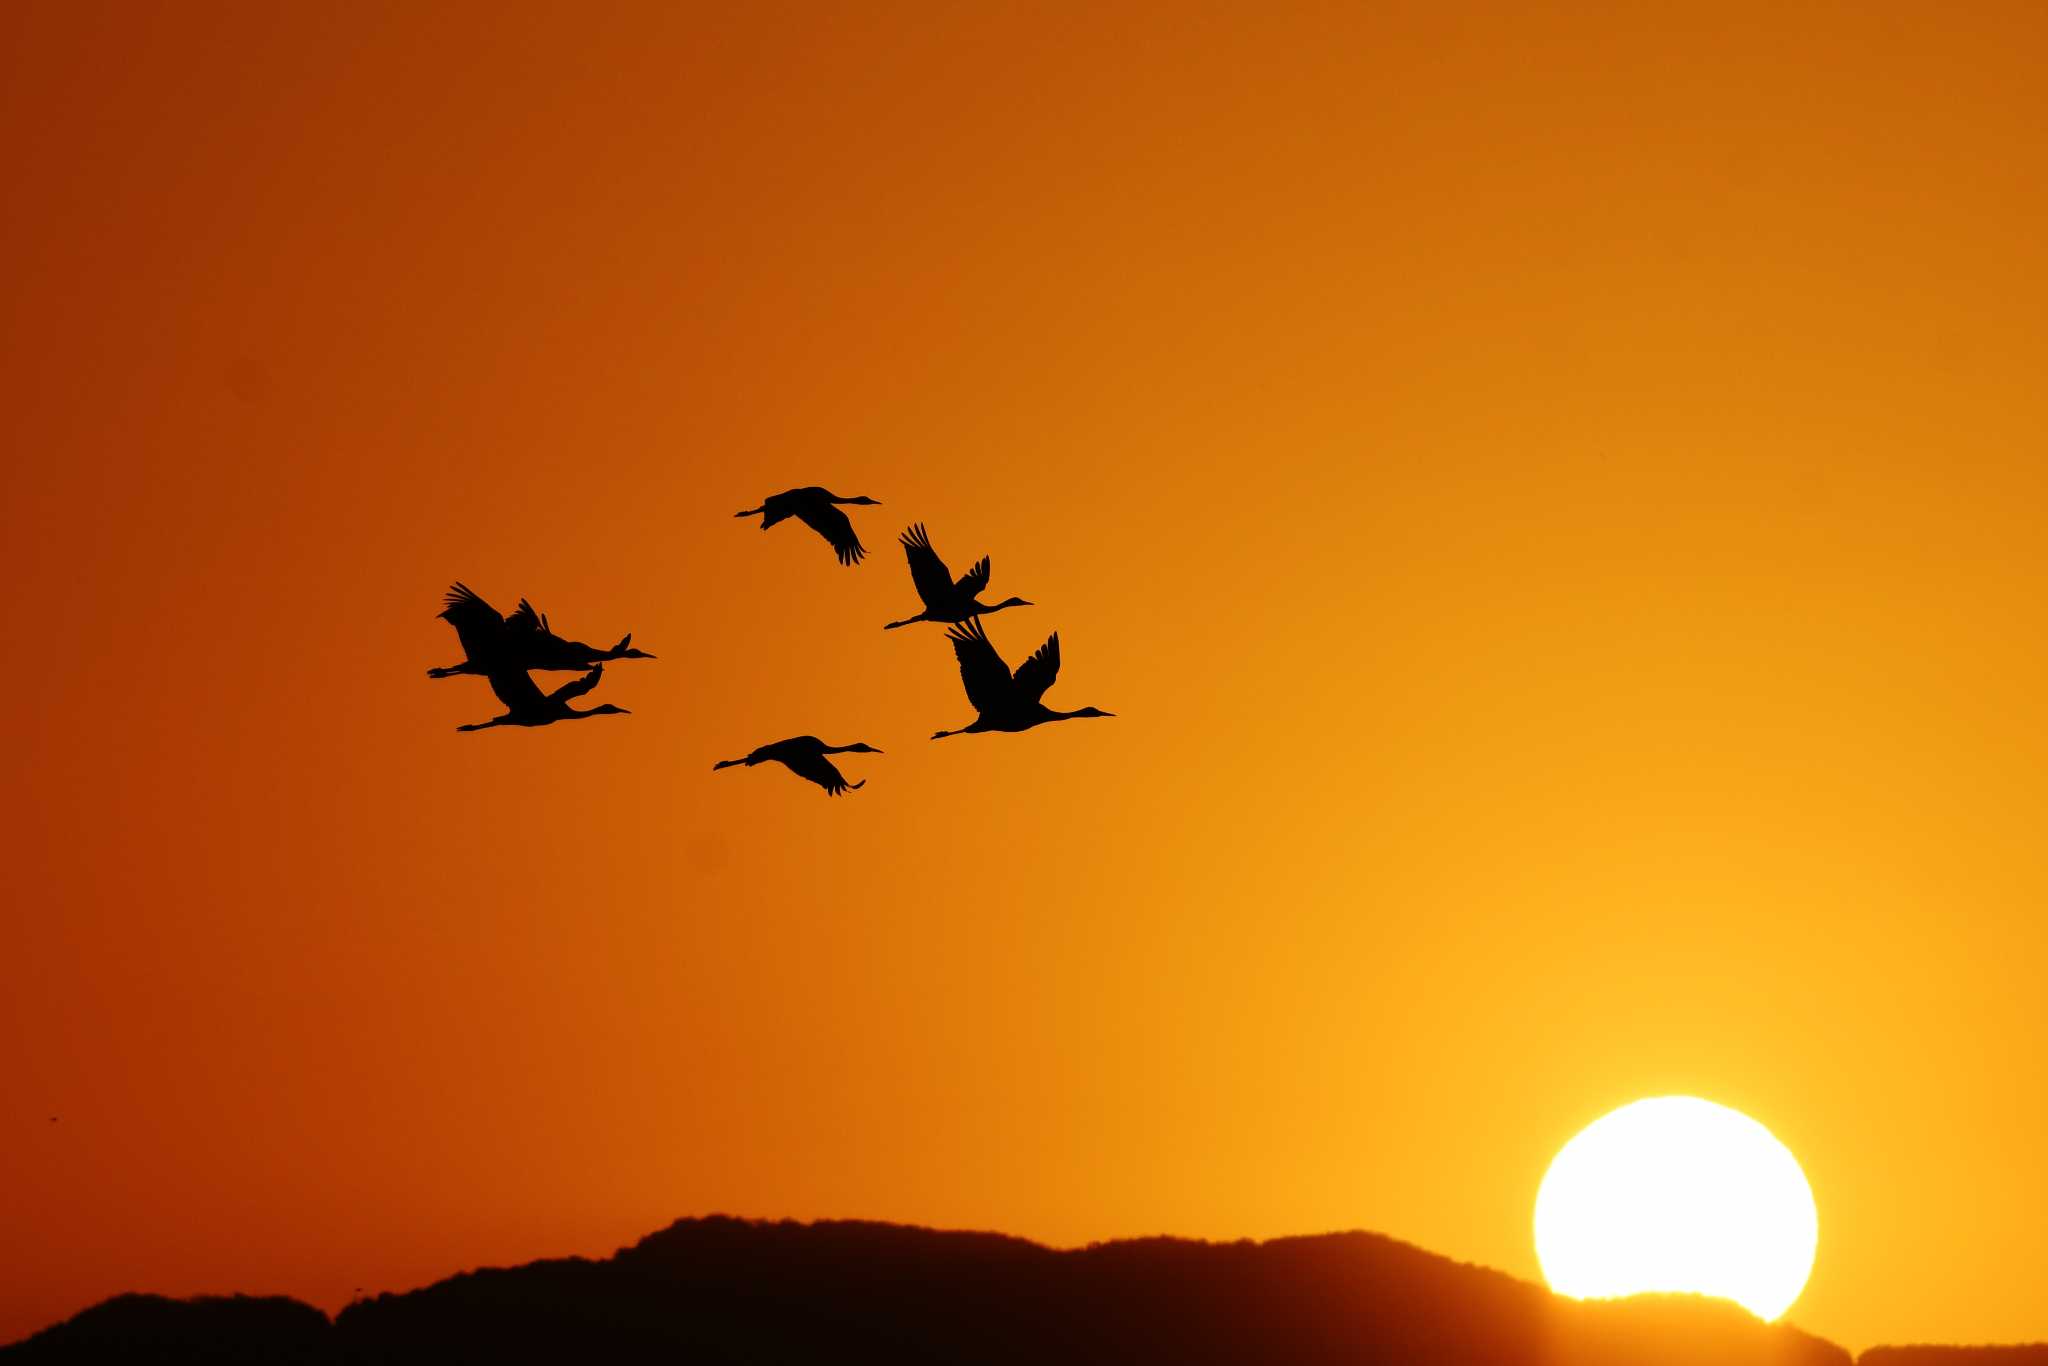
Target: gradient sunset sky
x=1554 y=495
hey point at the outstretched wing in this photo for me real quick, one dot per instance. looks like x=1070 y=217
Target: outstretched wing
x=477 y=623
x=927 y=571
x=1036 y=674
x=525 y=619
x=974 y=580
x=576 y=687
x=829 y=522
x=515 y=690
x=819 y=770
x=982 y=671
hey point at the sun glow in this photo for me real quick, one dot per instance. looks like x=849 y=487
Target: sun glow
x=1675 y=1194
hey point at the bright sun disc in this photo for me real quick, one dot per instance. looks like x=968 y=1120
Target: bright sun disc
x=1677 y=1195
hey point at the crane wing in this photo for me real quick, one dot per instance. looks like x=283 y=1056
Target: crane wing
x=516 y=691
x=1036 y=674
x=575 y=687
x=477 y=623
x=829 y=522
x=974 y=580
x=982 y=671
x=526 y=619
x=818 y=769
x=927 y=571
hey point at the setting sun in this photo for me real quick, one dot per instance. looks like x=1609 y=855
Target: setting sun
x=1679 y=1195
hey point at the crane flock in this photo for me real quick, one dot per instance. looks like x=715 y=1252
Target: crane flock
x=506 y=651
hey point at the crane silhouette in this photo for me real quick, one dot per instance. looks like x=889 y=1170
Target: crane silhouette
x=1002 y=700
x=526 y=705
x=804 y=755
x=523 y=640
x=813 y=507
x=945 y=598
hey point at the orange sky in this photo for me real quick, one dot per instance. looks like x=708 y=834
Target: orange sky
x=1553 y=500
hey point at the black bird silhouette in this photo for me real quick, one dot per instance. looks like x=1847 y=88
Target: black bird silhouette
x=804 y=755
x=520 y=641
x=945 y=599
x=1006 y=701
x=526 y=705
x=814 y=508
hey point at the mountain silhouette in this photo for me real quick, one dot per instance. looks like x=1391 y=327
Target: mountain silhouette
x=2034 y=1355
x=238 y=1329
x=724 y=1290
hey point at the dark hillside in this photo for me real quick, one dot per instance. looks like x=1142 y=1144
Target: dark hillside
x=724 y=1290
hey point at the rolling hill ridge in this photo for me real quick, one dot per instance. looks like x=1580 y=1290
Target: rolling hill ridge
x=719 y=1290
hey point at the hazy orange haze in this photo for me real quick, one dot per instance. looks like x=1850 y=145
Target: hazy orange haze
x=1553 y=499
